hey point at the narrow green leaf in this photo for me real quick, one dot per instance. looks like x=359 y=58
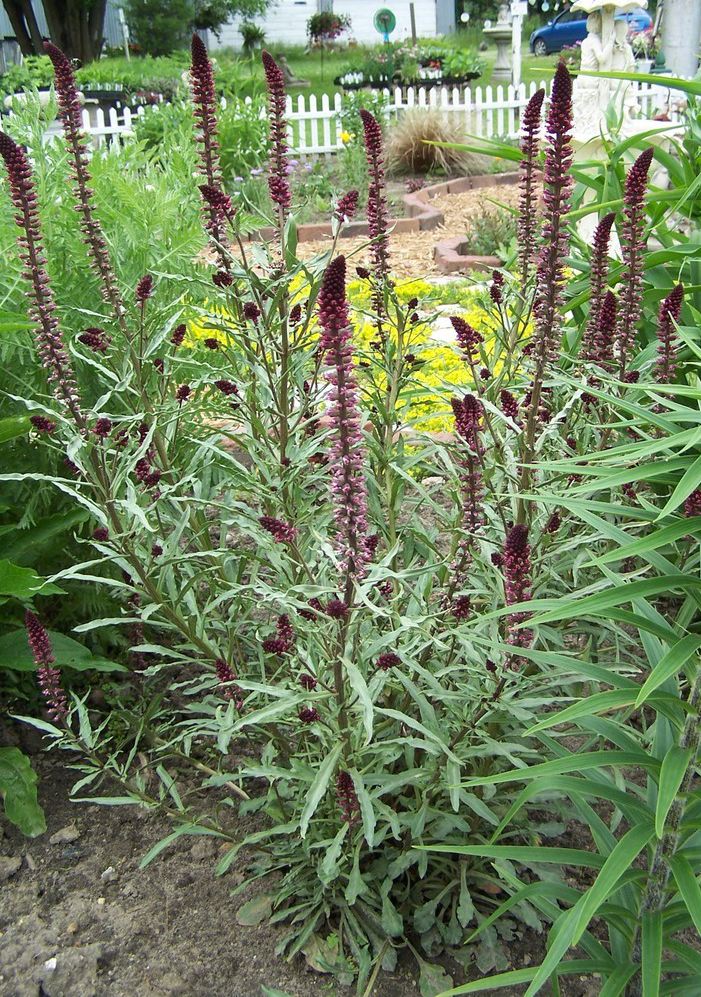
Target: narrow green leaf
x=572 y=763
x=514 y=977
x=658 y=538
x=572 y=925
x=594 y=605
x=184 y=829
x=652 y=953
x=600 y=702
x=674 y=767
x=318 y=788
x=360 y=688
x=688 y=887
x=10 y=428
x=616 y=983
x=672 y=662
x=522 y=853
x=689 y=482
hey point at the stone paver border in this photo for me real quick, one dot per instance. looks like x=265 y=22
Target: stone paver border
x=421 y=215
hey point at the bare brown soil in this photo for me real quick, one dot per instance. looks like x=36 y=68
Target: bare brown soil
x=80 y=919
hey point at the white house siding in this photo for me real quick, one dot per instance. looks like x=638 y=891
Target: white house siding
x=362 y=12
x=286 y=21
x=284 y=24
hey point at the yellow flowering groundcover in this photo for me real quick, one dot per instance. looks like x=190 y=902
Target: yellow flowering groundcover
x=438 y=367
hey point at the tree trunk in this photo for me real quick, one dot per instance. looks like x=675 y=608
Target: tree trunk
x=24 y=24
x=76 y=28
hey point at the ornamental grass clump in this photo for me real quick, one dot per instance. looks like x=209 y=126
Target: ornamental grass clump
x=331 y=615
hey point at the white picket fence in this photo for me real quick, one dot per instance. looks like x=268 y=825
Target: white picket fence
x=315 y=125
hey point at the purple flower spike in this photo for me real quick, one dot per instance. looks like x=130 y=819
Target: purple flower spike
x=284 y=637
x=528 y=200
x=633 y=243
x=49 y=678
x=387 y=660
x=144 y=289
x=348 y=488
x=204 y=103
x=70 y=113
x=378 y=212
x=517 y=581
x=48 y=337
x=598 y=277
x=347 y=798
x=468 y=339
x=509 y=405
x=692 y=505
x=670 y=310
x=550 y=273
x=468 y=413
x=278 y=184
x=347 y=206
x=42 y=424
x=227 y=682
x=280 y=531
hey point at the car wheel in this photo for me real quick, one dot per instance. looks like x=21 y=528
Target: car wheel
x=540 y=48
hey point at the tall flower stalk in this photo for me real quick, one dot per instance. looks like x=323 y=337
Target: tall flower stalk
x=528 y=197
x=378 y=211
x=348 y=486
x=468 y=413
x=278 y=184
x=667 y=344
x=48 y=677
x=71 y=119
x=633 y=243
x=48 y=336
x=550 y=272
x=598 y=279
x=204 y=105
x=517 y=582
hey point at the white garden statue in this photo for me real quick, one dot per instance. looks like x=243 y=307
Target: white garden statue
x=605 y=49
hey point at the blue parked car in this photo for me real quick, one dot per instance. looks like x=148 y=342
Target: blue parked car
x=570 y=27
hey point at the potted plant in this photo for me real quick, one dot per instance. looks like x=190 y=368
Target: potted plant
x=645 y=49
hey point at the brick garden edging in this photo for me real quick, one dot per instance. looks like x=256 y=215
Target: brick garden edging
x=451 y=256
x=421 y=215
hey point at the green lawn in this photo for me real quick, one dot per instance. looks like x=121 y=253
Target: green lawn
x=321 y=76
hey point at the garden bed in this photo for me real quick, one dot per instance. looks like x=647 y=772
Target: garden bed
x=81 y=919
x=445 y=210
x=423 y=210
